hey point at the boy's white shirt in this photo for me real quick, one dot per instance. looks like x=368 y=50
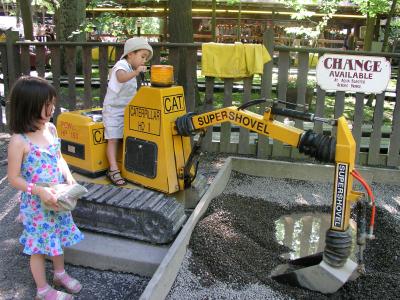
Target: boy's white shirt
x=113 y=83
x=120 y=90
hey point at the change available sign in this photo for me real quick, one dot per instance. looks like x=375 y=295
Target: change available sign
x=353 y=73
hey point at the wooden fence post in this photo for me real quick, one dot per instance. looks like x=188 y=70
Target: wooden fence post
x=263 y=148
x=55 y=53
x=3 y=61
x=279 y=150
x=87 y=75
x=319 y=109
x=103 y=72
x=12 y=62
x=376 y=134
x=208 y=106
x=394 y=146
x=225 y=139
x=11 y=72
x=190 y=83
x=357 y=122
x=244 y=135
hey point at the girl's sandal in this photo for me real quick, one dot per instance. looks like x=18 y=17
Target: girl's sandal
x=52 y=294
x=116 y=178
x=72 y=285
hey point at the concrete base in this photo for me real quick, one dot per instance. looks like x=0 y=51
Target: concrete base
x=106 y=252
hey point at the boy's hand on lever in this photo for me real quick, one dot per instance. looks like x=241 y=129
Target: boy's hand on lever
x=141 y=69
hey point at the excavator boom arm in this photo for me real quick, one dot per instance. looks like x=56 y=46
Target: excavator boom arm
x=339 y=150
x=261 y=124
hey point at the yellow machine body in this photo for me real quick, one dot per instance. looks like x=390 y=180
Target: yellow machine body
x=343 y=194
x=82 y=141
x=152 y=155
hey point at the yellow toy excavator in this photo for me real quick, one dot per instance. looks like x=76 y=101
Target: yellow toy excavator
x=157 y=155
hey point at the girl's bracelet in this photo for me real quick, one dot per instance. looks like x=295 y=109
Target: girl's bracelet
x=29 y=188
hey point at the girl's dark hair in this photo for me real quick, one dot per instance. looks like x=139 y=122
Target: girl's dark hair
x=27 y=98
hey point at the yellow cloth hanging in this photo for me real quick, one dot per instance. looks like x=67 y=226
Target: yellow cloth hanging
x=233 y=60
x=256 y=56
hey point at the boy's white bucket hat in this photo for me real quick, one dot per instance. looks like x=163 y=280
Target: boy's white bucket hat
x=137 y=43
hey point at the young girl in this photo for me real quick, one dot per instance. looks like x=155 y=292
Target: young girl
x=34 y=157
x=122 y=86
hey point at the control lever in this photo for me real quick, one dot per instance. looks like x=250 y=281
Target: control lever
x=143 y=78
x=305 y=116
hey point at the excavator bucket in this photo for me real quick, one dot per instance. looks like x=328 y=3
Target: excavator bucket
x=313 y=273
x=326 y=272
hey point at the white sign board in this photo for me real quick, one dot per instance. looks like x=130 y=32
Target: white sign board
x=353 y=73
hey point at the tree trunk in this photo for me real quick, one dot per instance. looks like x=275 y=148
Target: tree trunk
x=238 y=33
x=69 y=17
x=180 y=21
x=387 y=27
x=26 y=12
x=369 y=33
x=5 y=8
x=214 y=20
x=181 y=31
x=377 y=28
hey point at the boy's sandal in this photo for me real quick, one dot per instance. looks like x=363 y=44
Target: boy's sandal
x=116 y=178
x=72 y=285
x=52 y=294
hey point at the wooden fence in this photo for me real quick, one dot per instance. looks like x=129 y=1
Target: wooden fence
x=377 y=145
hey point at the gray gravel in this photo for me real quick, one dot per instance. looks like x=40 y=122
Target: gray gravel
x=233 y=248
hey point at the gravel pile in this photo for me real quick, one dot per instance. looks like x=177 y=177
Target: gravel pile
x=233 y=249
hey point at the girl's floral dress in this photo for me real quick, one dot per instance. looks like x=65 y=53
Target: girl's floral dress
x=45 y=232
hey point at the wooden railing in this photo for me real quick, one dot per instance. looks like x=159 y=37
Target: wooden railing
x=377 y=145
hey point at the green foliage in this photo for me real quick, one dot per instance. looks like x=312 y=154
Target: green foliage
x=373 y=7
x=303 y=32
x=110 y=3
x=230 y=1
x=394 y=29
x=103 y=3
x=117 y=25
x=124 y=27
x=292 y=82
x=49 y=5
x=349 y=109
x=327 y=8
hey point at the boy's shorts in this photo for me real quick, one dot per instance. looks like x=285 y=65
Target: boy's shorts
x=113 y=120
